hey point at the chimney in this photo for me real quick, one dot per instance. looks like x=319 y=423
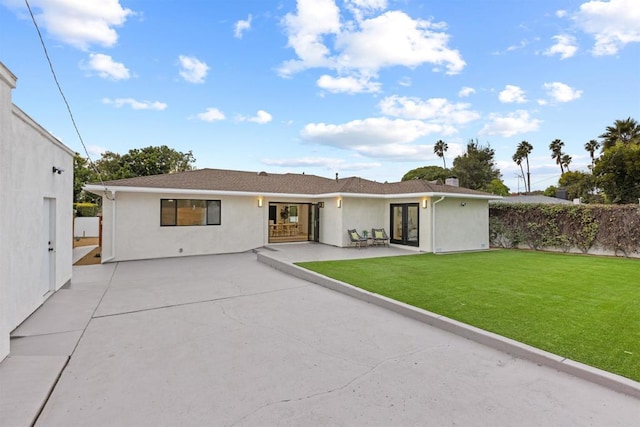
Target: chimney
x=453 y=181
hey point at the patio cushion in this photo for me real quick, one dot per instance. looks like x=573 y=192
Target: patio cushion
x=378 y=234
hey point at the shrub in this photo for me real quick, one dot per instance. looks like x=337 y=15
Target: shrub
x=86 y=209
x=613 y=228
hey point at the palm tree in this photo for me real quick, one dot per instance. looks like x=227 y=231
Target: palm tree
x=566 y=160
x=556 y=152
x=525 y=148
x=591 y=147
x=439 y=149
x=518 y=157
x=624 y=131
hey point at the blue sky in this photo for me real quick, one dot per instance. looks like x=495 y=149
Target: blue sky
x=358 y=87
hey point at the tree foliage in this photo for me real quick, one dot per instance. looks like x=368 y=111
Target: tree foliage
x=522 y=153
x=579 y=185
x=617 y=172
x=476 y=169
x=137 y=162
x=439 y=149
x=623 y=131
x=429 y=173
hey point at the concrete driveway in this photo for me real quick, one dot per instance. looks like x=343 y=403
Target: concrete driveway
x=227 y=341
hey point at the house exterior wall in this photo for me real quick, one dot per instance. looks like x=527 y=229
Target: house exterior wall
x=33 y=201
x=461 y=228
x=140 y=236
x=361 y=214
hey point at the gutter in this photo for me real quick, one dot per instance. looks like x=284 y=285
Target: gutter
x=433 y=223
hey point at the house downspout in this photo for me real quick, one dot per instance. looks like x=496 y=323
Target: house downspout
x=433 y=224
x=113 y=225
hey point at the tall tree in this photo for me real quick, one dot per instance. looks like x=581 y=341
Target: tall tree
x=476 y=169
x=517 y=158
x=556 y=152
x=591 y=147
x=439 y=149
x=525 y=149
x=566 y=161
x=82 y=173
x=428 y=173
x=624 y=131
x=144 y=162
x=617 y=173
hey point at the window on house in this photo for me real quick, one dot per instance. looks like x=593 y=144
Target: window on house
x=189 y=212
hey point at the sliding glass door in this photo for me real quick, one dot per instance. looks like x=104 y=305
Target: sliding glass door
x=404 y=224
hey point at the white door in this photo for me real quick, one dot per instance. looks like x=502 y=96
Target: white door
x=49 y=245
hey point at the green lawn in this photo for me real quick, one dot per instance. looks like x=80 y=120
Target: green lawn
x=585 y=308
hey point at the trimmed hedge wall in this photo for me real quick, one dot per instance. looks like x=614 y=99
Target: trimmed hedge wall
x=86 y=209
x=612 y=228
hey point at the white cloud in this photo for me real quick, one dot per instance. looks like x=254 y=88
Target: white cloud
x=362 y=47
x=565 y=46
x=360 y=8
x=305 y=31
x=405 y=81
x=395 y=39
x=80 y=23
x=436 y=110
x=242 y=26
x=512 y=124
x=560 y=92
x=376 y=137
x=134 y=104
x=211 y=115
x=512 y=94
x=96 y=150
x=613 y=24
x=466 y=91
x=347 y=84
x=193 y=70
x=106 y=67
x=261 y=117
x=561 y=13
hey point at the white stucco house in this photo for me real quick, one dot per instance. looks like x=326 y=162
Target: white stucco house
x=213 y=211
x=36 y=213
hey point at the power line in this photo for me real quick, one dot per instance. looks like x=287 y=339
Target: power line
x=64 y=98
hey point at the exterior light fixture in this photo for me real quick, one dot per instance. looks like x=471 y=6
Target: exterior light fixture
x=424 y=204
x=339 y=204
x=57 y=170
x=259 y=202
x=463 y=204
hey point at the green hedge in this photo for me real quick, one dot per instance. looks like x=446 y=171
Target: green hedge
x=86 y=209
x=614 y=228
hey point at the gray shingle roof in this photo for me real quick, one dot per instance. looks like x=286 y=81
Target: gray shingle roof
x=288 y=183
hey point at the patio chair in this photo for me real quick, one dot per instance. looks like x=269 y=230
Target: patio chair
x=379 y=236
x=356 y=239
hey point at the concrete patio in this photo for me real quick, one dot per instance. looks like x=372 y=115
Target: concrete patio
x=226 y=340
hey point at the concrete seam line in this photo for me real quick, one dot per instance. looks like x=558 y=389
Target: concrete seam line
x=589 y=373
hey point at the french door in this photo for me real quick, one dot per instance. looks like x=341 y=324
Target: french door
x=405 y=224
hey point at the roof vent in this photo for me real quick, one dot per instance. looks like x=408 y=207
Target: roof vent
x=263 y=173
x=336 y=176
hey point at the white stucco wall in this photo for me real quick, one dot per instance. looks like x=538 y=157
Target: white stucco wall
x=363 y=214
x=140 y=236
x=461 y=228
x=86 y=226
x=27 y=156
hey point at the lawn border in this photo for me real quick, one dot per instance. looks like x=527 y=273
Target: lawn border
x=598 y=376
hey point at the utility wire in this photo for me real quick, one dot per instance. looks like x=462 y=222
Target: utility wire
x=64 y=98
